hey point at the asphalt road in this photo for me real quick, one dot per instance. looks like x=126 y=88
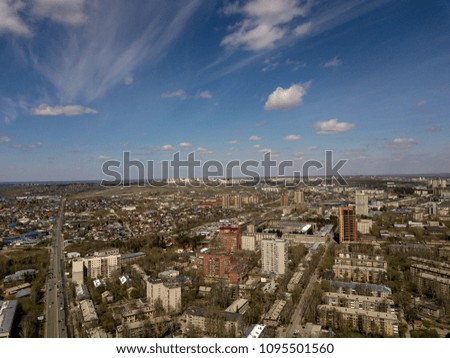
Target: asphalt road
x=55 y=298
x=300 y=309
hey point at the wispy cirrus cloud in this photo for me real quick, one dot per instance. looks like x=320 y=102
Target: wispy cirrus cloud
x=181 y=94
x=185 y=145
x=334 y=62
x=85 y=63
x=128 y=80
x=254 y=138
x=204 y=95
x=5 y=139
x=401 y=143
x=69 y=110
x=332 y=126
x=28 y=146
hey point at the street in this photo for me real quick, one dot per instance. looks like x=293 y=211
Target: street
x=55 y=298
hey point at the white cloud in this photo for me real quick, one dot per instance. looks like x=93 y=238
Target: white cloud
x=10 y=20
x=433 y=128
x=204 y=95
x=128 y=80
x=27 y=146
x=303 y=29
x=102 y=157
x=332 y=126
x=168 y=147
x=203 y=150
x=5 y=139
x=286 y=98
x=179 y=93
x=265 y=150
x=61 y=11
x=421 y=103
x=291 y=137
x=269 y=65
x=265 y=22
x=296 y=65
x=256 y=146
x=185 y=145
x=70 y=110
x=8 y=109
x=334 y=62
x=254 y=138
x=232 y=142
x=400 y=143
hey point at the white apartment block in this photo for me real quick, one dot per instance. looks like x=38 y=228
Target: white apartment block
x=364 y=226
x=362 y=204
x=274 y=256
x=167 y=293
x=101 y=264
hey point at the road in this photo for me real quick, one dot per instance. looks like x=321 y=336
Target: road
x=299 y=312
x=55 y=298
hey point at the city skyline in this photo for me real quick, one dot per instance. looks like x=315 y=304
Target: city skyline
x=83 y=82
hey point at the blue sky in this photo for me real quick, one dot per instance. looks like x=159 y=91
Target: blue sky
x=82 y=81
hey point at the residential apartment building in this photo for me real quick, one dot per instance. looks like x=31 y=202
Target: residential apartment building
x=217 y=265
x=366 y=303
x=274 y=256
x=101 y=264
x=299 y=197
x=168 y=294
x=347 y=224
x=230 y=238
x=226 y=324
x=272 y=317
x=360 y=259
x=90 y=317
x=362 y=204
x=359 y=273
x=359 y=267
x=364 y=226
x=430 y=273
x=368 y=322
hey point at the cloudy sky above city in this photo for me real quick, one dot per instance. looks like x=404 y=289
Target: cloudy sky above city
x=83 y=81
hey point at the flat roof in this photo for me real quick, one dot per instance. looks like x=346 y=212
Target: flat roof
x=7 y=313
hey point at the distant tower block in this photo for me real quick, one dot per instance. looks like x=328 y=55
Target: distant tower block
x=274 y=256
x=299 y=197
x=284 y=200
x=250 y=228
x=225 y=201
x=362 y=204
x=237 y=202
x=347 y=224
